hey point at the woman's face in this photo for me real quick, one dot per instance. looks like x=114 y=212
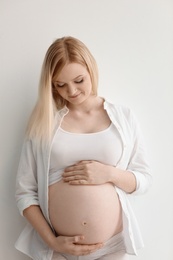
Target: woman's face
x=74 y=83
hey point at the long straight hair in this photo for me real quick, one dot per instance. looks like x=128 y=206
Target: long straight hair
x=63 y=51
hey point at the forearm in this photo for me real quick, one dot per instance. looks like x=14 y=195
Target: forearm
x=35 y=217
x=122 y=179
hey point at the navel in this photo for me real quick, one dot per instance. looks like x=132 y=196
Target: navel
x=84 y=223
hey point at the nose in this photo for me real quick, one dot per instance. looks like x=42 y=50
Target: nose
x=71 y=89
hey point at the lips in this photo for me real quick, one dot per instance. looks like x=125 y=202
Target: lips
x=75 y=96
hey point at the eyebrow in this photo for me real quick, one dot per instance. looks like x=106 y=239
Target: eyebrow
x=72 y=79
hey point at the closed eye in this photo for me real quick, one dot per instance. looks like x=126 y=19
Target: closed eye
x=60 y=85
x=79 y=81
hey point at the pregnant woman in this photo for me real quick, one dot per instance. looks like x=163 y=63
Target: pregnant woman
x=81 y=159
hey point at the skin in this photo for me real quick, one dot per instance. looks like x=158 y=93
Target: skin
x=85 y=110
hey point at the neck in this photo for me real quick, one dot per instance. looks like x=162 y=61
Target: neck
x=92 y=103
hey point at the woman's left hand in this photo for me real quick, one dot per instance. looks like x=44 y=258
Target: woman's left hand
x=87 y=173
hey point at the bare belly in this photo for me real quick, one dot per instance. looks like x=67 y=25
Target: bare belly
x=93 y=211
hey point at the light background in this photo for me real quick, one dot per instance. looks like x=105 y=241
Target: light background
x=132 y=41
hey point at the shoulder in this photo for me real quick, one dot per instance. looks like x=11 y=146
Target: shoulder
x=121 y=114
x=117 y=109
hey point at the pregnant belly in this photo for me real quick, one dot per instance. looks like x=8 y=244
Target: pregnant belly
x=93 y=211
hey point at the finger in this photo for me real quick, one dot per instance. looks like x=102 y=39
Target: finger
x=79 y=182
x=79 y=249
x=95 y=246
x=84 y=162
x=76 y=239
x=79 y=171
x=70 y=173
x=73 y=169
x=88 y=249
x=74 y=178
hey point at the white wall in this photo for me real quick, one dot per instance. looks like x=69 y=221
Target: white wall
x=132 y=42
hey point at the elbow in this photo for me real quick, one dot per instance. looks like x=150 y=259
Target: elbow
x=24 y=203
x=143 y=183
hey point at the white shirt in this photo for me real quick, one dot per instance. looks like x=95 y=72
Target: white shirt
x=70 y=148
x=32 y=180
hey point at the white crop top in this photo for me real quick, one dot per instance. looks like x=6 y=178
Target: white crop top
x=69 y=148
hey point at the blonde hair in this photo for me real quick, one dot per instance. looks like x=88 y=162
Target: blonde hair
x=63 y=51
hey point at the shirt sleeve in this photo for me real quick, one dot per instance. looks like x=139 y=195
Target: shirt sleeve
x=26 y=180
x=138 y=163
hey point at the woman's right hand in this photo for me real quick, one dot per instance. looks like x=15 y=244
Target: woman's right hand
x=62 y=244
x=73 y=246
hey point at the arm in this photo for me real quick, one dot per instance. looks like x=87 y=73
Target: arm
x=26 y=193
x=133 y=177
x=28 y=204
x=124 y=180
x=35 y=217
